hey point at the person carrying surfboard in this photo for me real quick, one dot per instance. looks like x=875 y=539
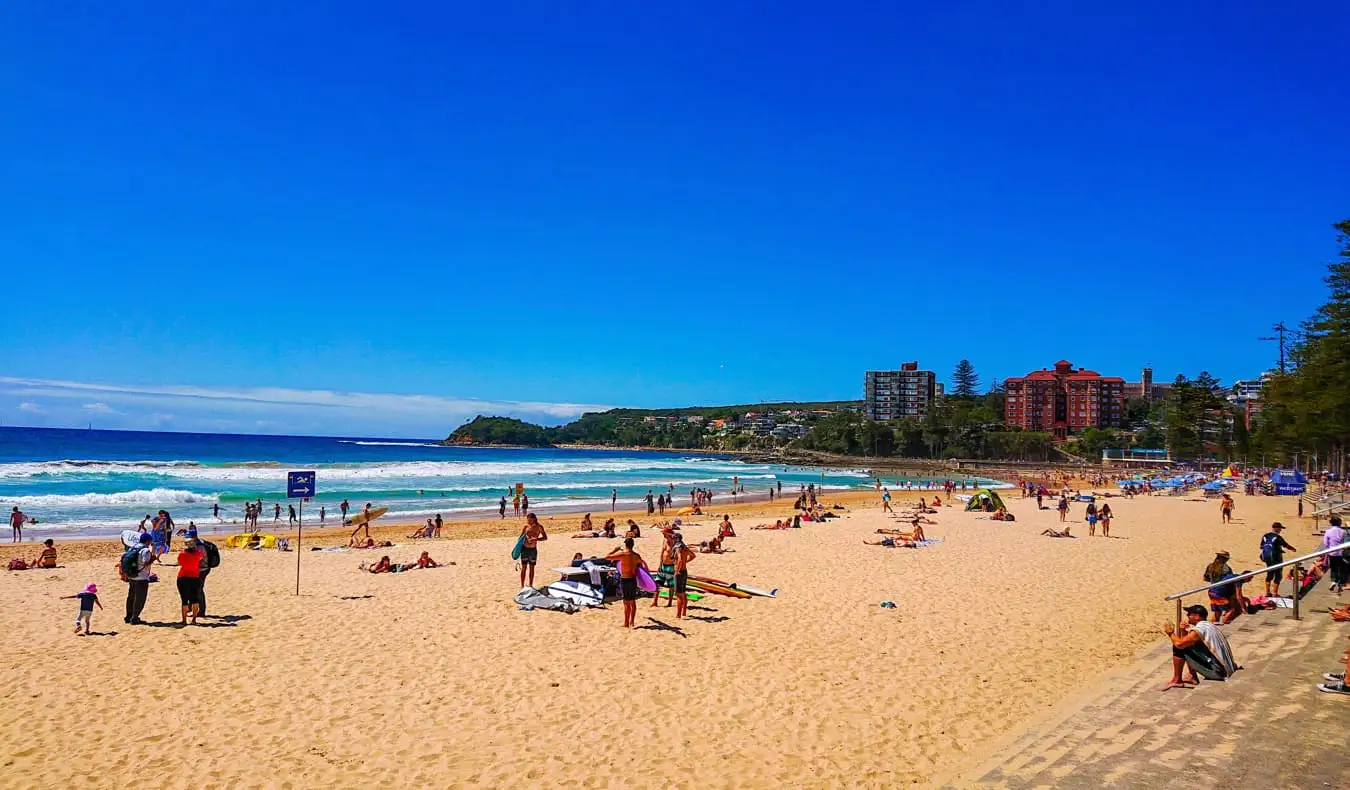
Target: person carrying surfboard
x=629 y=563
x=529 y=550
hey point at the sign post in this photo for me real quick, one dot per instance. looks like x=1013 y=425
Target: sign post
x=299 y=485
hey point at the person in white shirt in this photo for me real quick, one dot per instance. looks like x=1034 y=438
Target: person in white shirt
x=1340 y=565
x=1199 y=646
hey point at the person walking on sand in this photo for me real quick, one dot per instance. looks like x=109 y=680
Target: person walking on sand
x=343 y=507
x=1226 y=509
x=515 y=505
x=436 y=533
x=683 y=556
x=529 y=553
x=16 y=519
x=88 y=599
x=1063 y=508
x=363 y=523
x=613 y=499
x=1333 y=537
x=1104 y=518
x=629 y=562
x=138 y=583
x=293 y=519
x=886 y=501
x=525 y=504
x=501 y=509
x=190 y=580
x=1273 y=545
x=650 y=507
x=322 y=512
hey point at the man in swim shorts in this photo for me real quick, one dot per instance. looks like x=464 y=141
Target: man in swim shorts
x=629 y=562
x=665 y=577
x=529 y=553
x=682 y=554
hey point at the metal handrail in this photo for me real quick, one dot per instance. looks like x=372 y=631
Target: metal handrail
x=1242 y=577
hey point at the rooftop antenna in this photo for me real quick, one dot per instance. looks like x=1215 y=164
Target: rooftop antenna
x=1280 y=330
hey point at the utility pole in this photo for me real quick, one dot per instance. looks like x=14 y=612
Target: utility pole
x=1280 y=330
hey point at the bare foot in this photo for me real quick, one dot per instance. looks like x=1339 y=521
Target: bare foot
x=1175 y=685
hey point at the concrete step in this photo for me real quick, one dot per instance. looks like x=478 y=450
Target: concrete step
x=1252 y=731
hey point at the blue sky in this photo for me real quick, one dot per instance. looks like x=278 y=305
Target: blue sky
x=522 y=204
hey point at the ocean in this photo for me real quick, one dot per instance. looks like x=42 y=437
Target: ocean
x=89 y=482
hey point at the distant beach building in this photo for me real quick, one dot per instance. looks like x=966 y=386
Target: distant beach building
x=1064 y=401
x=1247 y=389
x=893 y=394
x=1145 y=387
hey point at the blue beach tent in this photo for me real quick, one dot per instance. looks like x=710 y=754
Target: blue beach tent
x=1288 y=482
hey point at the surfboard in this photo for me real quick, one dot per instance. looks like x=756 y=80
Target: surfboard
x=131 y=538
x=645 y=581
x=693 y=596
x=357 y=519
x=520 y=546
x=756 y=591
x=577 y=592
x=730 y=592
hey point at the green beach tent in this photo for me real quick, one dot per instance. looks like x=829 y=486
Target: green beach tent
x=984 y=495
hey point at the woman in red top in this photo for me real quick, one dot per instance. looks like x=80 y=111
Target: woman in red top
x=190 y=579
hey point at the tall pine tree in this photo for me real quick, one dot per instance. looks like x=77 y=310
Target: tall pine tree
x=965 y=381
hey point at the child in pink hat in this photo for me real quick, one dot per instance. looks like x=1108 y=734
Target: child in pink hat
x=88 y=599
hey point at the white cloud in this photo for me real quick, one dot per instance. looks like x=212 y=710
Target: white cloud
x=273 y=409
x=30 y=407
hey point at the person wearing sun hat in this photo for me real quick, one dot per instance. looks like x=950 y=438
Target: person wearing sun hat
x=88 y=599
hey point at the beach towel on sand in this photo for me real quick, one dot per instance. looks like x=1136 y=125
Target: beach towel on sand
x=529 y=598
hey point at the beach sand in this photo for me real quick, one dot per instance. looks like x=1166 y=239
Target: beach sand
x=435 y=678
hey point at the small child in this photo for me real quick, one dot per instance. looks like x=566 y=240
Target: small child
x=87 y=600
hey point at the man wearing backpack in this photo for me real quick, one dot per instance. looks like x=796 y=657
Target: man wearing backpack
x=211 y=560
x=136 y=564
x=1273 y=545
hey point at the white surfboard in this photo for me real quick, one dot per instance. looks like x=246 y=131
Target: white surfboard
x=131 y=538
x=576 y=592
x=756 y=591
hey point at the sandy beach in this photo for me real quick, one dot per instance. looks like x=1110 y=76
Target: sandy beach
x=435 y=678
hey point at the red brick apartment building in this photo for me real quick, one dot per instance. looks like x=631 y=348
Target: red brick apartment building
x=1064 y=401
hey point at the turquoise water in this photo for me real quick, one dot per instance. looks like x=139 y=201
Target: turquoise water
x=100 y=482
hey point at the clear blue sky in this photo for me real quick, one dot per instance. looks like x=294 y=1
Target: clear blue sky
x=652 y=204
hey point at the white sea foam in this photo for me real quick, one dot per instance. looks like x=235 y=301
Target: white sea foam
x=157 y=497
x=270 y=471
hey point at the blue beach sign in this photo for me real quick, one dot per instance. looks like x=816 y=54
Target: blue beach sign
x=299 y=485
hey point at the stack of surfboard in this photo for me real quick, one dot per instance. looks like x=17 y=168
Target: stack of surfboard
x=729 y=589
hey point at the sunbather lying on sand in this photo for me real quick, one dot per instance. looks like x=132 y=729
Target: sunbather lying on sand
x=591 y=535
x=915 y=534
x=425 y=561
x=713 y=546
x=1054 y=533
x=893 y=543
x=775 y=525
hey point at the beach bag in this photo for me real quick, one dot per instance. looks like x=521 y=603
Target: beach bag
x=212 y=554
x=17 y=564
x=130 y=566
x=1268 y=547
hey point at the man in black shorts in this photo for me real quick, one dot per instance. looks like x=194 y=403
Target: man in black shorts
x=529 y=553
x=629 y=562
x=682 y=555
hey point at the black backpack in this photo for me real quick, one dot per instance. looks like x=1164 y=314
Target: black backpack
x=212 y=554
x=131 y=562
